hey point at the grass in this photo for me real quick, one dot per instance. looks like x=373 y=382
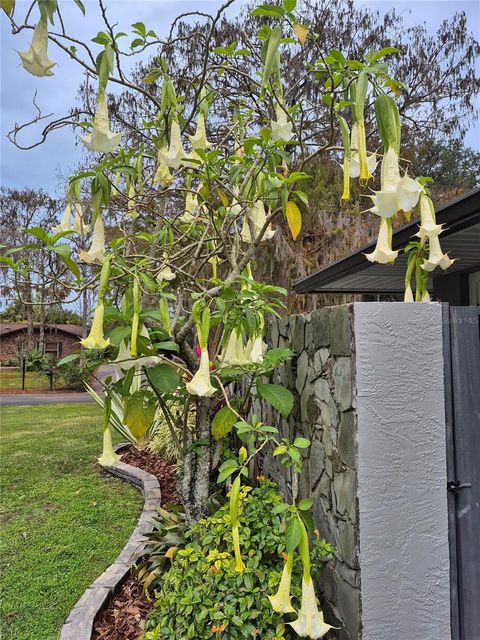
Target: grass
x=11 y=380
x=62 y=522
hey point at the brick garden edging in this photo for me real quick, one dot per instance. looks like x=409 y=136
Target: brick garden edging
x=79 y=624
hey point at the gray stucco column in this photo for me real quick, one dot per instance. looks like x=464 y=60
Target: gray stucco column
x=368 y=385
x=401 y=467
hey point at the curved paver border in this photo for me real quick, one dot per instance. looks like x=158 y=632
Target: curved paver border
x=79 y=624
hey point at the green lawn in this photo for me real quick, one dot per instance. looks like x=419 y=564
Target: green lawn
x=11 y=380
x=62 y=523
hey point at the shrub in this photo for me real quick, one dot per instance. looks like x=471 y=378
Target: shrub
x=202 y=593
x=74 y=375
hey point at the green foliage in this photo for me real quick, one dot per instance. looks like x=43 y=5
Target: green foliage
x=202 y=588
x=163 y=443
x=74 y=375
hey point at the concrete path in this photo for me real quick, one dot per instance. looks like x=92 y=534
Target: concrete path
x=26 y=399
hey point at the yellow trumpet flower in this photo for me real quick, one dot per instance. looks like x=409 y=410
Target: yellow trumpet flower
x=35 y=59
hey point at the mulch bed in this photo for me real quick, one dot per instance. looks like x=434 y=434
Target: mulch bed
x=164 y=471
x=125 y=614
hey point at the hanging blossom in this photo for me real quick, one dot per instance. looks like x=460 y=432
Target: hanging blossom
x=281 y=602
x=310 y=622
x=165 y=273
x=97 y=249
x=35 y=59
x=108 y=458
x=354 y=165
x=396 y=193
x=431 y=230
x=234 y=353
x=66 y=222
x=200 y=384
x=199 y=138
x=173 y=156
x=101 y=139
x=95 y=339
x=282 y=128
x=383 y=252
x=191 y=208
x=256 y=216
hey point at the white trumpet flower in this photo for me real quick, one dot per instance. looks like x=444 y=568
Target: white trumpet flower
x=101 y=139
x=428 y=226
x=65 y=222
x=436 y=258
x=200 y=384
x=95 y=339
x=281 y=601
x=174 y=155
x=191 y=208
x=162 y=176
x=234 y=354
x=396 y=193
x=408 y=297
x=257 y=216
x=108 y=458
x=354 y=165
x=78 y=224
x=199 y=139
x=310 y=622
x=35 y=59
x=165 y=273
x=282 y=128
x=97 y=248
x=383 y=252
x=255 y=349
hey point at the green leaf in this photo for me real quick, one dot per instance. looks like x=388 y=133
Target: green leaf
x=139 y=412
x=293 y=534
x=152 y=75
x=163 y=378
x=223 y=422
x=305 y=504
x=268 y=10
x=69 y=358
x=279 y=397
x=64 y=253
x=226 y=470
x=289 y=5
x=80 y=5
x=386 y=51
x=301 y=443
x=281 y=508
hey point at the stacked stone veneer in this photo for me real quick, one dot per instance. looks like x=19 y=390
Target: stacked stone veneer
x=368 y=384
x=321 y=376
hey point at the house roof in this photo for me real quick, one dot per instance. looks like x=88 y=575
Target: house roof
x=355 y=274
x=7 y=328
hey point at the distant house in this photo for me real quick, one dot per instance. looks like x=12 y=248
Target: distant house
x=459 y=286
x=59 y=339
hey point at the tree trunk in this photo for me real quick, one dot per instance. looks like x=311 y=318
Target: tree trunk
x=196 y=476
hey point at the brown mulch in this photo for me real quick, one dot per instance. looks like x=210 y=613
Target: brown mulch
x=164 y=471
x=124 y=616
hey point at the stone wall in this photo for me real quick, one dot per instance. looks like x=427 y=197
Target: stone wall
x=368 y=383
x=321 y=378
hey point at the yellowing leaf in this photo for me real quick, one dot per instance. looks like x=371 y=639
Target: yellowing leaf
x=223 y=197
x=7 y=6
x=301 y=31
x=294 y=218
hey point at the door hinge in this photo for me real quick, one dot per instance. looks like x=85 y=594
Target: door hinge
x=456 y=485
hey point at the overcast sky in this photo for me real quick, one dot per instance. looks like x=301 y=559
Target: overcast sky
x=40 y=167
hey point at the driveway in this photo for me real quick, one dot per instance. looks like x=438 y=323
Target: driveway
x=25 y=399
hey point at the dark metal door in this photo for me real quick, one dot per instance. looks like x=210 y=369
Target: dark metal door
x=464 y=469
